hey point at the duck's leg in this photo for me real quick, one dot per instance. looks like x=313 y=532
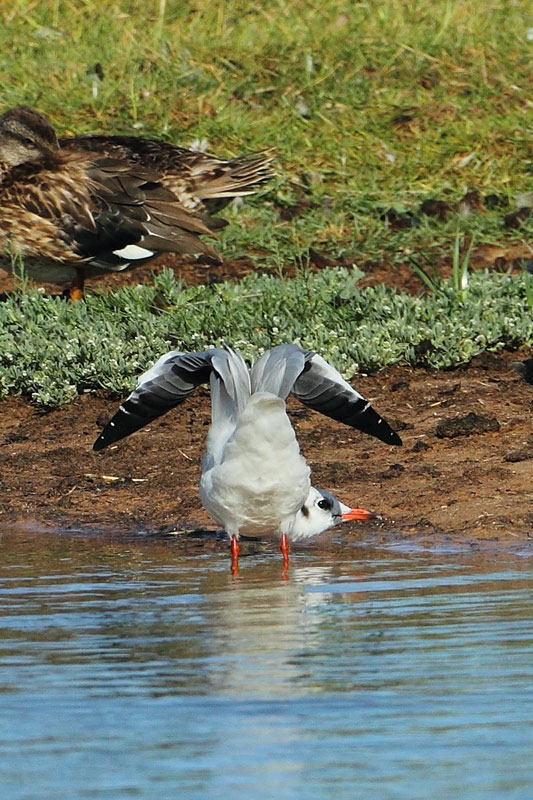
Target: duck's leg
x=235 y=550
x=284 y=547
x=76 y=290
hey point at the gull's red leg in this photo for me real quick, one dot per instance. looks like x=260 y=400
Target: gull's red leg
x=235 y=550
x=284 y=547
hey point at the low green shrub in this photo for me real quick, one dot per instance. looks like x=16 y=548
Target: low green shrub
x=51 y=350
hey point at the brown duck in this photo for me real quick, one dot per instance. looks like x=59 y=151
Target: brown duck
x=68 y=212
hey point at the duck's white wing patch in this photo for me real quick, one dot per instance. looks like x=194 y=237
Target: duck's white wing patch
x=132 y=252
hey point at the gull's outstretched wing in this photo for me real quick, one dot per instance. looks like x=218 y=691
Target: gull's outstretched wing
x=167 y=384
x=322 y=388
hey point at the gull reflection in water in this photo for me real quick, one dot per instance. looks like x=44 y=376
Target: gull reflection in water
x=264 y=628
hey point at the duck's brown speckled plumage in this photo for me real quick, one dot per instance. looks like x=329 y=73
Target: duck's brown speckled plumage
x=201 y=181
x=71 y=211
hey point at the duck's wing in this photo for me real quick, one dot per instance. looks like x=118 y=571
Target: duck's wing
x=152 y=153
x=216 y=182
x=200 y=180
x=108 y=213
x=132 y=209
x=323 y=389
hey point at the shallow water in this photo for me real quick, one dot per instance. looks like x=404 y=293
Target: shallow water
x=128 y=670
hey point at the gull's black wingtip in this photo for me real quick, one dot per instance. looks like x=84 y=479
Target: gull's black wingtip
x=394 y=438
x=127 y=420
x=100 y=443
x=111 y=433
x=370 y=422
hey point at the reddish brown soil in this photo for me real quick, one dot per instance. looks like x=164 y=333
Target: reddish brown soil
x=475 y=486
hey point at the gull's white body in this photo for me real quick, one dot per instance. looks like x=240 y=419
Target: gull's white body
x=260 y=479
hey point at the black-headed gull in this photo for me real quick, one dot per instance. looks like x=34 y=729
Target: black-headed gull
x=254 y=479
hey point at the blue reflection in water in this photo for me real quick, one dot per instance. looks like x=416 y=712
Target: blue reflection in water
x=129 y=670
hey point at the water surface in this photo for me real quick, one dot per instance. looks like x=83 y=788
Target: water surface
x=128 y=670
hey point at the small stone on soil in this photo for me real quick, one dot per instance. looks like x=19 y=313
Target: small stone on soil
x=518 y=455
x=395 y=387
x=516 y=218
x=466 y=425
x=400 y=425
x=394 y=471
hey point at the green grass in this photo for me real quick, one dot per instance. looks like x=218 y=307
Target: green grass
x=460 y=272
x=370 y=106
x=51 y=349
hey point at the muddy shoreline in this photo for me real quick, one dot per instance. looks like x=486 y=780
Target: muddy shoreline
x=464 y=473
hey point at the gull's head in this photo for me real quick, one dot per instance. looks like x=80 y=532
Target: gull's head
x=321 y=511
x=25 y=135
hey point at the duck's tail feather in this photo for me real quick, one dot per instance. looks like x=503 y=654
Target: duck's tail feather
x=217 y=182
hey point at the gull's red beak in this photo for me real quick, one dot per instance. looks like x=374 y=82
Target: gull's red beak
x=358 y=513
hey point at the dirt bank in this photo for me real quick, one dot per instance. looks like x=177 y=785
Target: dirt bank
x=465 y=469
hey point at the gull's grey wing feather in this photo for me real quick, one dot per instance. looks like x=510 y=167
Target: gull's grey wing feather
x=322 y=388
x=234 y=375
x=277 y=369
x=230 y=392
x=165 y=385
